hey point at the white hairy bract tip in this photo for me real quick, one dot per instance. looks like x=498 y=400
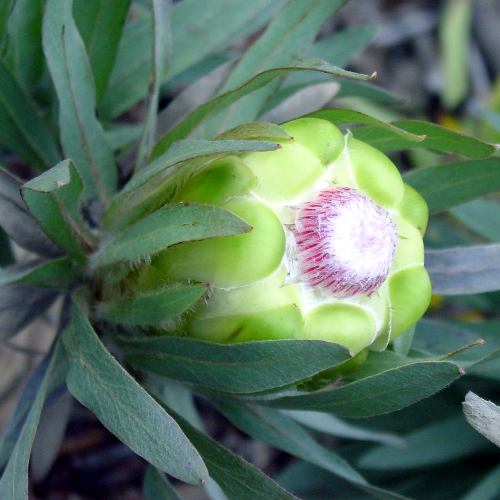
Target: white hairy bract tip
x=346 y=242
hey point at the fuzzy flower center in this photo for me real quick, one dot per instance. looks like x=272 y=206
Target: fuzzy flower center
x=346 y=242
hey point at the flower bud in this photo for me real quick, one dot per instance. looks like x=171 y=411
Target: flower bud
x=335 y=252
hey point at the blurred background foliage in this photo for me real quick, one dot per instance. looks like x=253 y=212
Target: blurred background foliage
x=435 y=60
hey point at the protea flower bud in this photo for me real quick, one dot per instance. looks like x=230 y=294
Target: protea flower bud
x=335 y=252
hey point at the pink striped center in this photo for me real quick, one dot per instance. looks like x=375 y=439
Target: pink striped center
x=346 y=242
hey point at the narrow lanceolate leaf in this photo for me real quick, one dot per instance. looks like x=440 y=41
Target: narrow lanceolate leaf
x=21 y=128
x=14 y=482
x=101 y=384
x=484 y=416
x=24 y=49
x=161 y=54
x=128 y=82
x=101 y=24
x=50 y=434
x=28 y=395
x=329 y=424
x=238 y=368
x=191 y=149
x=157 y=487
x=17 y=222
x=282 y=432
x=386 y=383
x=255 y=131
x=53 y=198
x=20 y=305
x=167 y=226
x=286 y=38
x=454 y=35
x=445 y=186
x=437 y=138
x=225 y=99
x=342 y=116
x=338 y=48
x=434 y=444
x=152 y=186
x=237 y=478
x=81 y=134
x=52 y=273
x=447 y=339
x=464 y=270
x=196 y=33
x=154 y=307
x=480 y=216
x=215 y=28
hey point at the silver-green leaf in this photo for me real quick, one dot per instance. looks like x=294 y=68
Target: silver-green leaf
x=53 y=198
x=101 y=384
x=14 y=481
x=462 y=270
x=81 y=134
x=167 y=226
x=151 y=308
x=384 y=384
x=239 y=368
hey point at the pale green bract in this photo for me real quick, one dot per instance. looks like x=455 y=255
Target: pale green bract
x=256 y=292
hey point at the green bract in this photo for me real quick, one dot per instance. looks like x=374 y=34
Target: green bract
x=260 y=284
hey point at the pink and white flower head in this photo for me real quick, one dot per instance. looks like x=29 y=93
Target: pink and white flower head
x=346 y=242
